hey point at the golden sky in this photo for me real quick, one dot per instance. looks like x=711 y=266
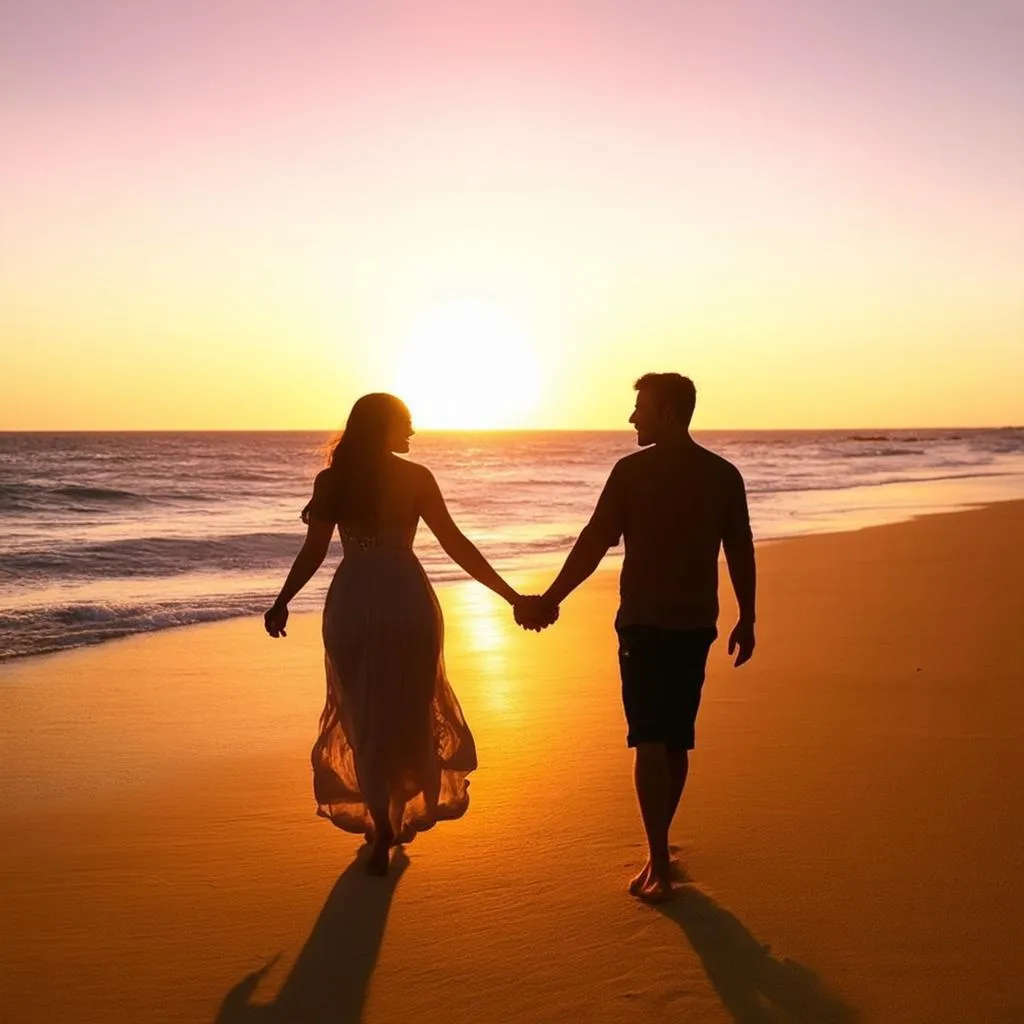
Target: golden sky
x=245 y=214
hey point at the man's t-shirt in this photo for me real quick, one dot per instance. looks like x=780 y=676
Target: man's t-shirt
x=674 y=505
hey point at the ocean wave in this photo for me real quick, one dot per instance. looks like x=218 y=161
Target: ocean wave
x=882 y=453
x=152 y=556
x=1006 y=444
x=173 y=497
x=47 y=629
x=85 y=493
x=825 y=487
x=16 y=497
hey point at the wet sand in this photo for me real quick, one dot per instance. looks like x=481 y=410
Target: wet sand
x=853 y=829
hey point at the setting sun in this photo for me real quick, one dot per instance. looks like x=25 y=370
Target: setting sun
x=466 y=365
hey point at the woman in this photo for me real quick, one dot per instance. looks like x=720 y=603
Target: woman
x=394 y=749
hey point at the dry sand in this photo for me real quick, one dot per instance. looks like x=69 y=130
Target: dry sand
x=852 y=828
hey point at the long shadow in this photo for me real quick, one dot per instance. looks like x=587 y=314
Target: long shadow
x=331 y=974
x=756 y=987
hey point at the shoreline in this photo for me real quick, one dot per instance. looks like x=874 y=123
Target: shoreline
x=851 y=832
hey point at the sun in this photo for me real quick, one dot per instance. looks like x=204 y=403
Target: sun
x=467 y=366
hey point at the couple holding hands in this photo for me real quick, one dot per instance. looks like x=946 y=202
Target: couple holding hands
x=394 y=750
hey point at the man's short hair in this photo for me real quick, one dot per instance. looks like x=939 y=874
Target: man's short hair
x=671 y=391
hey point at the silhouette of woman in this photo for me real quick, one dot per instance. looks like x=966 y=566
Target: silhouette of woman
x=394 y=750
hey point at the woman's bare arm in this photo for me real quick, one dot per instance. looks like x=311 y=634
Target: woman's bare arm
x=310 y=557
x=455 y=543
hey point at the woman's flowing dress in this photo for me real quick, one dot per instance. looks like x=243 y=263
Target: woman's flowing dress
x=392 y=733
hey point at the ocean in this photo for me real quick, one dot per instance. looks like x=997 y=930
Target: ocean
x=103 y=535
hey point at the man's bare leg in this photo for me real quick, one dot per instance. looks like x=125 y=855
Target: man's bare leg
x=654 y=793
x=678 y=766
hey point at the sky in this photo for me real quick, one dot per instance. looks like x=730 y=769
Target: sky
x=242 y=214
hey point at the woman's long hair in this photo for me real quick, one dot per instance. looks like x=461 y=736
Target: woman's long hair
x=359 y=457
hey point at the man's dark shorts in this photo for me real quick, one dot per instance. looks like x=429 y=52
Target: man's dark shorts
x=662 y=675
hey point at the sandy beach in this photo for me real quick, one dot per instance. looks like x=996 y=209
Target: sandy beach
x=852 y=834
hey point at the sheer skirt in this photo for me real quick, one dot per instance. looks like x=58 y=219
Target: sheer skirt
x=392 y=734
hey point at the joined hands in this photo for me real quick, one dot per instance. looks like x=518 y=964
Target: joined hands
x=535 y=612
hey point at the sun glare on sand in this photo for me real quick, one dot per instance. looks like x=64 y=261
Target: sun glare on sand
x=467 y=366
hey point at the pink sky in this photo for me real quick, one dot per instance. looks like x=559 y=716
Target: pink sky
x=771 y=144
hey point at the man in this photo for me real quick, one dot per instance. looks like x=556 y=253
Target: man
x=674 y=504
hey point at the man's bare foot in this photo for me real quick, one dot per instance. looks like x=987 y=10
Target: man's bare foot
x=654 y=883
x=638 y=883
x=657 y=890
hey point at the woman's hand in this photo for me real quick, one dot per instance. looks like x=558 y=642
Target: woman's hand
x=275 y=619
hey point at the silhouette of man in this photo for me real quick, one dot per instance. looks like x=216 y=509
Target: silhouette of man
x=674 y=503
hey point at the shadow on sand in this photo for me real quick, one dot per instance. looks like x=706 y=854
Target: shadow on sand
x=756 y=987
x=331 y=974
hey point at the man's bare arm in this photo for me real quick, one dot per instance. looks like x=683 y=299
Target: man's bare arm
x=739 y=556
x=738 y=543
x=585 y=557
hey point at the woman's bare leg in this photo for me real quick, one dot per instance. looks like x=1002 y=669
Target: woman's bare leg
x=383 y=835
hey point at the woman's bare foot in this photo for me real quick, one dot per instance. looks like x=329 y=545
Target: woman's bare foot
x=380 y=853
x=377 y=863
x=406 y=835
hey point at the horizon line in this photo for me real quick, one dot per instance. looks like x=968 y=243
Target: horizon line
x=498 y=430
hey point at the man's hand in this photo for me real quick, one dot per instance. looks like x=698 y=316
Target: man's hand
x=275 y=619
x=535 y=612
x=742 y=639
